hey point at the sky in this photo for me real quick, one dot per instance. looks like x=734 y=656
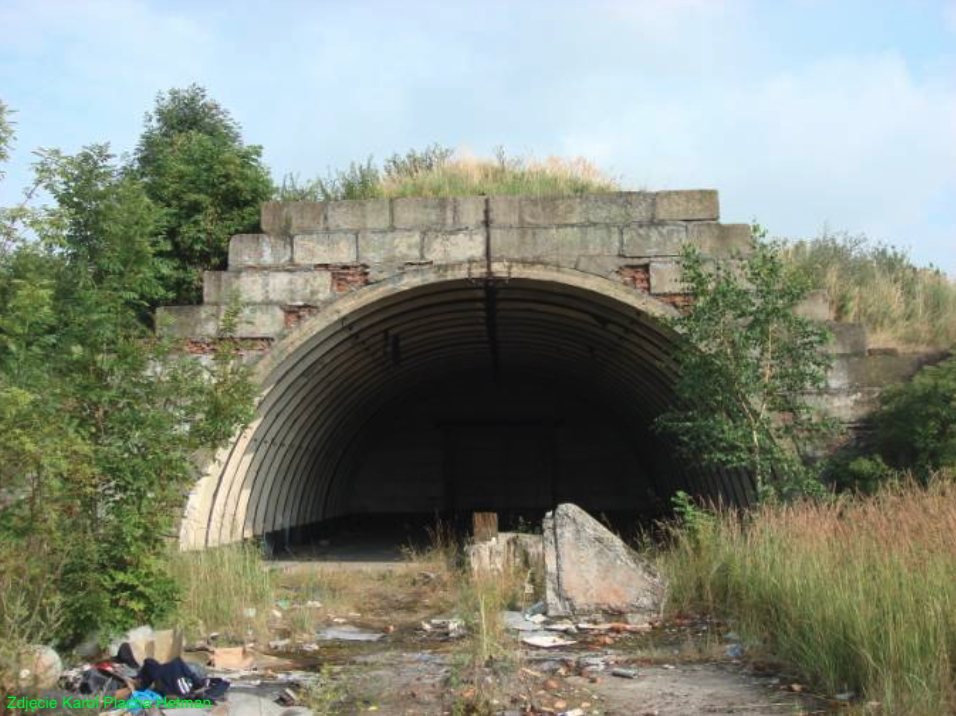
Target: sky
x=806 y=115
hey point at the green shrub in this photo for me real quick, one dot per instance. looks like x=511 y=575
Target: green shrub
x=914 y=433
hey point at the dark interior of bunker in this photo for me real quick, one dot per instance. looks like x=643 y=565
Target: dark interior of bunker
x=505 y=396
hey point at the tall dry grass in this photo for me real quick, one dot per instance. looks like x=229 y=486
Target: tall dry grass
x=224 y=589
x=439 y=172
x=465 y=175
x=901 y=305
x=858 y=593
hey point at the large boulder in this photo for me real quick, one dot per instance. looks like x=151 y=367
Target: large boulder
x=588 y=569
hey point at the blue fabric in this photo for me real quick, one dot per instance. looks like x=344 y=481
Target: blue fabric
x=141 y=697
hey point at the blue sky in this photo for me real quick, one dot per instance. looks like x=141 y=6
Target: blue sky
x=803 y=113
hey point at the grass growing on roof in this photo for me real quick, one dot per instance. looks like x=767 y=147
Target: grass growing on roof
x=439 y=172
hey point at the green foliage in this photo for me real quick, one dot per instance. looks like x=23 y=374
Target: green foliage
x=209 y=185
x=99 y=419
x=916 y=428
x=877 y=285
x=914 y=433
x=6 y=135
x=746 y=363
x=696 y=522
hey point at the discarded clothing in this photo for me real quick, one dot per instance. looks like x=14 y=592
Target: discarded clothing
x=176 y=678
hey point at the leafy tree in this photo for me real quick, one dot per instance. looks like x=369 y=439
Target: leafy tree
x=99 y=418
x=210 y=185
x=746 y=364
x=914 y=432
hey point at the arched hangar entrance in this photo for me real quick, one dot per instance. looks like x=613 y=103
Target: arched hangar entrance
x=439 y=391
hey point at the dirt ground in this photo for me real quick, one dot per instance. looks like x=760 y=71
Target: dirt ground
x=680 y=668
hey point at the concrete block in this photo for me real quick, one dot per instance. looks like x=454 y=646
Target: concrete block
x=451 y=247
x=360 y=214
x=465 y=212
x=285 y=218
x=505 y=210
x=199 y=322
x=878 y=370
x=620 y=208
x=563 y=244
x=275 y=287
x=694 y=205
x=665 y=277
x=599 y=265
x=720 y=239
x=327 y=247
x=848 y=339
x=653 y=239
x=816 y=306
x=259 y=250
x=389 y=246
x=553 y=210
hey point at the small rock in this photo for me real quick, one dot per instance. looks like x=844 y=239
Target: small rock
x=624 y=673
x=41 y=667
x=559 y=705
x=845 y=696
x=594 y=663
x=279 y=643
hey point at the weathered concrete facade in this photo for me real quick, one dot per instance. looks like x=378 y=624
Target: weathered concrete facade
x=464 y=353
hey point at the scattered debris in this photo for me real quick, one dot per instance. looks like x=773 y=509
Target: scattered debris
x=164 y=645
x=233 y=657
x=734 y=651
x=347 y=633
x=580 y=554
x=288 y=697
x=546 y=641
x=453 y=628
x=624 y=673
x=518 y=621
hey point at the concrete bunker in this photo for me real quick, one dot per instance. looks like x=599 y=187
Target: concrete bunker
x=446 y=391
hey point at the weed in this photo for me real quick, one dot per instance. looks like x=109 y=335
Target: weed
x=323 y=694
x=225 y=589
x=857 y=592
